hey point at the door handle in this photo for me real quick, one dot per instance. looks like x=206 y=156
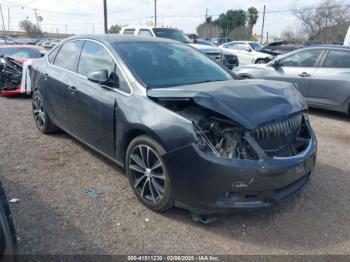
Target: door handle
x=45 y=75
x=304 y=74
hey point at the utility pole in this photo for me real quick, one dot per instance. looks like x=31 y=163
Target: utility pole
x=267 y=37
x=206 y=14
x=262 y=27
x=105 y=16
x=2 y=17
x=8 y=18
x=93 y=28
x=155 y=12
x=66 y=28
x=37 y=19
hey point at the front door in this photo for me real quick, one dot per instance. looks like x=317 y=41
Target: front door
x=298 y=68
x=92 y=107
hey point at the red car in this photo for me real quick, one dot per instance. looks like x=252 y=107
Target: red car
x=14 y=63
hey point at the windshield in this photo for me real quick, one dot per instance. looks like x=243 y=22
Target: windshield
x=160 y=65
x=255 y=46
x=21 y=52
x=173 y=34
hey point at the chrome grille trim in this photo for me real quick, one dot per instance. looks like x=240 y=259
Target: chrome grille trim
x=279 y=128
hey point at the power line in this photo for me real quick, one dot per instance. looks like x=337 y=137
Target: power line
x=11 y=4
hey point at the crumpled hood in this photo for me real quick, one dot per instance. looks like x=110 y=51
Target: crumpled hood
x=20 y=59
x=249 y=102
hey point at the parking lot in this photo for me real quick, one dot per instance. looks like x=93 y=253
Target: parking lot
x=49 y=174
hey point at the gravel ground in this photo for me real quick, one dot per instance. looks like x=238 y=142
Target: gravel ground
x=49 y=173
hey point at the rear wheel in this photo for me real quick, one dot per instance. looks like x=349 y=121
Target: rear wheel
x=40 y=115
x=148 y=175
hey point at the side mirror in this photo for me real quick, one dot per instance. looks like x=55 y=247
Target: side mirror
x=247 y=49
x=99 y=77
x=276 y=63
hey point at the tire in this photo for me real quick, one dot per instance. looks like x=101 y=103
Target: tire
x=148 y=175
x=244 y=78
x=41 y=118
x=261 y=61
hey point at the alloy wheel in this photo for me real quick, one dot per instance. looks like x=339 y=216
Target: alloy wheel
x=38 y=112
x=147 y=173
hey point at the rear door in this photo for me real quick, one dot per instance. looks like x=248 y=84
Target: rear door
x=297 y=68
x=92 y=107
x=57 y=79
x=330 y=85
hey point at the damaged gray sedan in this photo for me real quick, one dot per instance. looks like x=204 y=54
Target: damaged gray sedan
x=187 y=133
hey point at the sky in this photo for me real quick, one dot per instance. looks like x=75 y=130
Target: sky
x=79 y=17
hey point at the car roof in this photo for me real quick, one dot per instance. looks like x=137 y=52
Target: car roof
x=112 y=38
x=334 y=47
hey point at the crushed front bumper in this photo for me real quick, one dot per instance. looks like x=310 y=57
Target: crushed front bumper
x=208 y=184
x=17 y=91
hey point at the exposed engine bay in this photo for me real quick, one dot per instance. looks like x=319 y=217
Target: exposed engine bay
x=223 y=137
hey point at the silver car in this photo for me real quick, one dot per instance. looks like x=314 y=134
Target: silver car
x=322 y=75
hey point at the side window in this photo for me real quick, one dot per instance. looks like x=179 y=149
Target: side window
x=66 y=56
x=52 y=55
x=302 y=59
x=95 y=57
x=337 y=59
x=145 y=32
x=129 y=31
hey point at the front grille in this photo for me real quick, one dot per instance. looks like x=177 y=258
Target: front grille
x=279 y=128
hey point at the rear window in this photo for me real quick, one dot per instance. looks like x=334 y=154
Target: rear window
x=337 y=59
x=173 y=34
x=22 y=52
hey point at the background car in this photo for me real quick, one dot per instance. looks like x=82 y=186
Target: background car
x=171 y=33
x=229 y=60
x=7 y=40
x=322 y=75
x=187 y=132
x=11 y=67
x=279 y=48
x=220 y=40
x=247 y=52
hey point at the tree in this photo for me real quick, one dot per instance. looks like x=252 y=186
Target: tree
x=252 y=17
x=32 y=29
x=209 y=29
x=241 y=33
x=320 y=22
x=114 y=29
x=230 y=20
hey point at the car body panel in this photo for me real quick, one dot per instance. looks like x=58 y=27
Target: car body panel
x=322 y=87
x=246 y=54
x=330 y=86
x=106 y=119
x=230 y=97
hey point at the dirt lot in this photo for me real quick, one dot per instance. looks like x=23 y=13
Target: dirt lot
x=49 y=174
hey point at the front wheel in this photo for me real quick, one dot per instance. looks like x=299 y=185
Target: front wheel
x=261 y=61
x=40 y=115
x=148 y=175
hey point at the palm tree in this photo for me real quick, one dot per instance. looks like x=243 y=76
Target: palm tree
x=252 y=17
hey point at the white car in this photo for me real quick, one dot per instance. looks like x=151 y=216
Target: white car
x=247 y=52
